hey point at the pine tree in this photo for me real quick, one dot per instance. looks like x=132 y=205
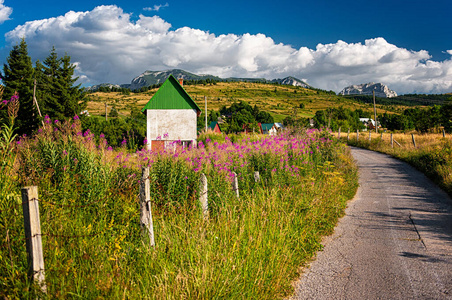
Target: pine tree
x=17 y=76
x=74 y=97
x=48 y=89
x=60 y=98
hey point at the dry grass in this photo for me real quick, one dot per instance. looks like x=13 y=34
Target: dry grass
x=280 y=100
x=431 y=155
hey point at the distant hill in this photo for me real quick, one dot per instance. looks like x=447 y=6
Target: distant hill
x=380 y=89
x=150 y=78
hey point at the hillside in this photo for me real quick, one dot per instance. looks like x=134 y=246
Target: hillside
x=279 y=100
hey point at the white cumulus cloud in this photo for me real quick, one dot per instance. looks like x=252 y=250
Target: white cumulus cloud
x=109 y=47
x=5 y=12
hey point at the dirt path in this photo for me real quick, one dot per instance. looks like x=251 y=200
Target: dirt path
x=395 y=241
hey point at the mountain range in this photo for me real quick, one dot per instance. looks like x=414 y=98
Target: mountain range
x=149 y=78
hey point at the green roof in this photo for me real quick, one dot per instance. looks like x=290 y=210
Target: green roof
x=267 y=126
x=171 y=95
x=213 y=124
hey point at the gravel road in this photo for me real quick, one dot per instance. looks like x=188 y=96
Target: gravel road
x=395 y=241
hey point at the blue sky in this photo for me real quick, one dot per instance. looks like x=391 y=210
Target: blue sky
x=406 y=45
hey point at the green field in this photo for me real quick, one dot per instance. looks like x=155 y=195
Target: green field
x=279 y=100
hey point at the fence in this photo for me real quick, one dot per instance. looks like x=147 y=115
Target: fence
x=32 y=224
x=401 y=140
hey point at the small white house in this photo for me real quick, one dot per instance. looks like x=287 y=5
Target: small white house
x=271 y=128
x=171 y=116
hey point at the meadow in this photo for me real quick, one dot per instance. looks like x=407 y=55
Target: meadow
x=280 y=101
x=432 y=154
x=250 y=247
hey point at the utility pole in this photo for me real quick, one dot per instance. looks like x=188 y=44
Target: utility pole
x=205 y=101
x=106 y=113
x=375 y=112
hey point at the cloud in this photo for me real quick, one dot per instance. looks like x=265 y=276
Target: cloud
x=156 y=7
x=108 y=46
x=5 y=12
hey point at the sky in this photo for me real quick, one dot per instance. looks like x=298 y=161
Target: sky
x=330 y=44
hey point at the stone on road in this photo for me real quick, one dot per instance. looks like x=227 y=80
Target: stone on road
x=395 y=241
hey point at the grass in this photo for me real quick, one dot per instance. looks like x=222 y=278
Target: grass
x=252 y=247
x=279 y=100
x=432 y=154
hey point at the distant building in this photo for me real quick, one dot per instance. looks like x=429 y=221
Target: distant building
x=215 y=127
x=271 y=128
x=171 y=116
x=369 y=123
x=247 y=128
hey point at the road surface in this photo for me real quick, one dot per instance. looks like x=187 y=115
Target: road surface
x=395 y=241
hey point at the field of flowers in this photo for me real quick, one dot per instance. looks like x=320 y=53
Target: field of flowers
x=250 y=247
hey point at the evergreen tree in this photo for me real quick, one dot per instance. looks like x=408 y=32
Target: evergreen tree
x=73 y=96
x=18 y=76
x=56 y=90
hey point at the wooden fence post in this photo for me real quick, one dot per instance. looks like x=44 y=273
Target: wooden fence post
x=203 y=196
x=30 y=206
x=257 y=177
x=145 y=206
x=392 y=141
x=444 y=133
x=357 y=135
x=235 y=184
x=339 y=133
x=414 y=142
x=370 y=135
x=348 y=134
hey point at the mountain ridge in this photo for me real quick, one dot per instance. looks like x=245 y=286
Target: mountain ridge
x=149 y=78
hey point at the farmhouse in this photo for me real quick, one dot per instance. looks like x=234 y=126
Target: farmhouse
x=171 y=116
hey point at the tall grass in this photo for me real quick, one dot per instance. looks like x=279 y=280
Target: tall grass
x=432 y=154
x=251 y=247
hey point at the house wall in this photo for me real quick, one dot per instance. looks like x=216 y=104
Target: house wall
x=171 y=125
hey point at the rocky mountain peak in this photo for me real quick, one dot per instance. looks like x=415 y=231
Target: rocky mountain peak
x=380 y=89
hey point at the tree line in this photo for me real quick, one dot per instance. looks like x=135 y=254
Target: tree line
x=420 y=119
x=51 y=81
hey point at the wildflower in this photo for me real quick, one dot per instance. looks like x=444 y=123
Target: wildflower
x=124 y=142
x=166 y=135
x=102 y=135
x=76 y=117
x=47 y=119
x=56 y=121
x=87 y=132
